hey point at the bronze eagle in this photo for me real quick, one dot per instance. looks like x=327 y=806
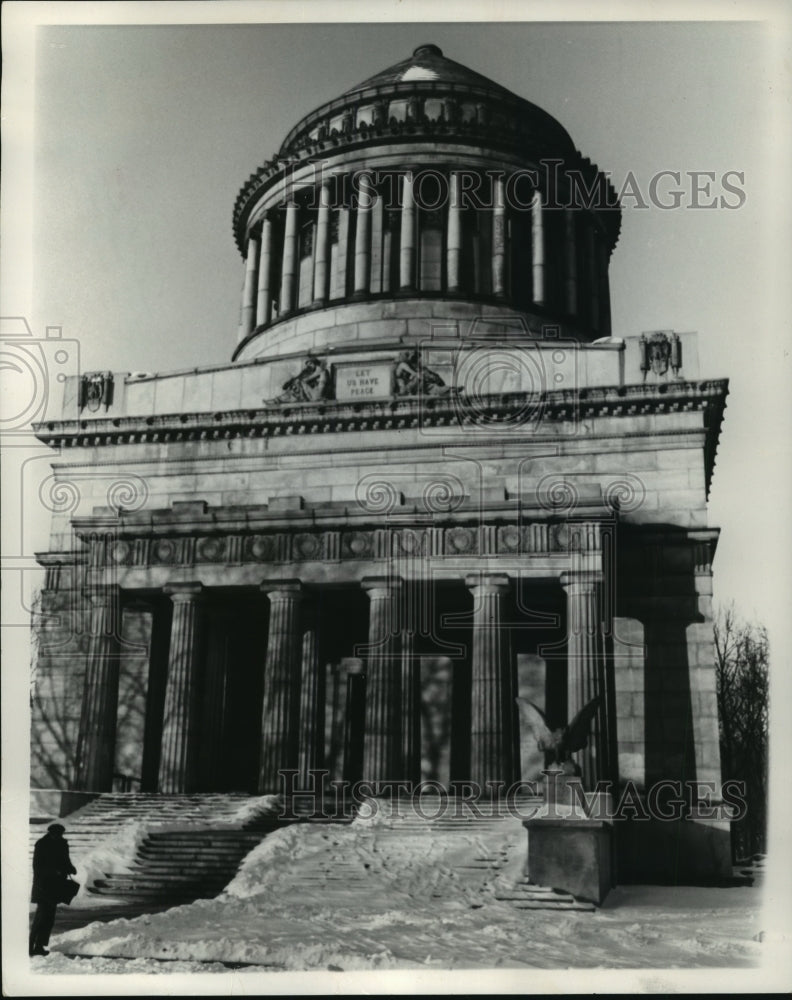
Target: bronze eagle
x=558 y=744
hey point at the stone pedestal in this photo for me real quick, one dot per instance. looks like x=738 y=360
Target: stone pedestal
x=572 y=854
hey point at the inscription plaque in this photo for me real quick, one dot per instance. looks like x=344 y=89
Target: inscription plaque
x=364 y=380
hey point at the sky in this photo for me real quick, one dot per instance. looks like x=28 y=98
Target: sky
x=142 y=136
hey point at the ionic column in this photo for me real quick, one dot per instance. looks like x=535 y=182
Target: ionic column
x=264 y=295
x=321 y=259
x=584 y=662
x=570 y=254
x=280 y=715
x=363 y=237
x=96 y=743
x=249 y=288
x=537 y=249
x=289 y=268
x=454 y=238
x=382 y=740
x=491 y=668
x=180 y=726
x=498 y=238
x=410 y=708
x=407 y=245
x=312 y=691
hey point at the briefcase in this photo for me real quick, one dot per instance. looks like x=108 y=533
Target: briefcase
x=68 y=890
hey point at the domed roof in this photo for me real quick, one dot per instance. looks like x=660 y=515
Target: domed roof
x=428 y=63
x=426 y=73
x=424 y=99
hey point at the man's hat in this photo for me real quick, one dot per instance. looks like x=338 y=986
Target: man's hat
x=56 y=828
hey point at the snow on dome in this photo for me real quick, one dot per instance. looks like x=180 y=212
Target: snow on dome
x=420 y=73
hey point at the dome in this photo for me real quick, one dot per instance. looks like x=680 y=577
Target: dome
x=428 y=71
x=425 y=191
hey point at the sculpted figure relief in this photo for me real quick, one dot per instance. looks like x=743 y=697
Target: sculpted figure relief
x=412 y=379
x=309 y=385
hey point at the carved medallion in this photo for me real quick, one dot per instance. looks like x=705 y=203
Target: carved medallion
x=358 y=544
x=164 y=550
x=210 y=549
x=509 y=538
x=307 y=546
x=460 y=540
x=260 y=548
x=120 y=552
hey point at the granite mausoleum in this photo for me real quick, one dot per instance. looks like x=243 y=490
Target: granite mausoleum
x=429 y=481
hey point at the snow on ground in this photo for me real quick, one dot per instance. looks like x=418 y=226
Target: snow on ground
x=364 y=896
x=111 y=854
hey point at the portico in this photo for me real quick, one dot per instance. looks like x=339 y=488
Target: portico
x=406 y=579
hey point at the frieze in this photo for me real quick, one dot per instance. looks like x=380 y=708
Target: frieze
x=376 y=543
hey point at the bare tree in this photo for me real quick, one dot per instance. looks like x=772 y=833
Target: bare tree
x=742 y=664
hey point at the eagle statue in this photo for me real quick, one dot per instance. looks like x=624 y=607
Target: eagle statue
x=558 y=744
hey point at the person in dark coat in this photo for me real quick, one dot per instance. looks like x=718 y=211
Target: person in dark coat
x=51 y=868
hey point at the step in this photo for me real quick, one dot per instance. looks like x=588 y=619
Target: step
x=164 y=890
x=189 y=857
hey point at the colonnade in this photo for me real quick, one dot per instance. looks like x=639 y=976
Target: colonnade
x=292 y=723
x=572 y=278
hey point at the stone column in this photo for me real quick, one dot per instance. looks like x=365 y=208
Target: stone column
x=407 y=245
x=96 y=743
x=382 y=741
x=312 y=692
x=498 y=238
x=454 y=238
x=537 y=249
x=410 y=708
x=264 y=296
x=363 y=238
x=700 y=642
x=491 y=668
x=321 y=259
x=180 y=735
x=249 y=290
x=570 y=255
x=289 y=268
x=281 y=708
x=585 y=666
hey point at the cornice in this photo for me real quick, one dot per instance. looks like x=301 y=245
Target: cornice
x=456 y=411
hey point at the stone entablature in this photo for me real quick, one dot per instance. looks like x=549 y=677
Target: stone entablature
x=190 y=534
x=517 y=413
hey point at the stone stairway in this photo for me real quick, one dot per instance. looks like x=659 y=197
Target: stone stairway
x=190 y=846
x=181 y=866
x=485 y=871
x=524 y=895
x=108 y=814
